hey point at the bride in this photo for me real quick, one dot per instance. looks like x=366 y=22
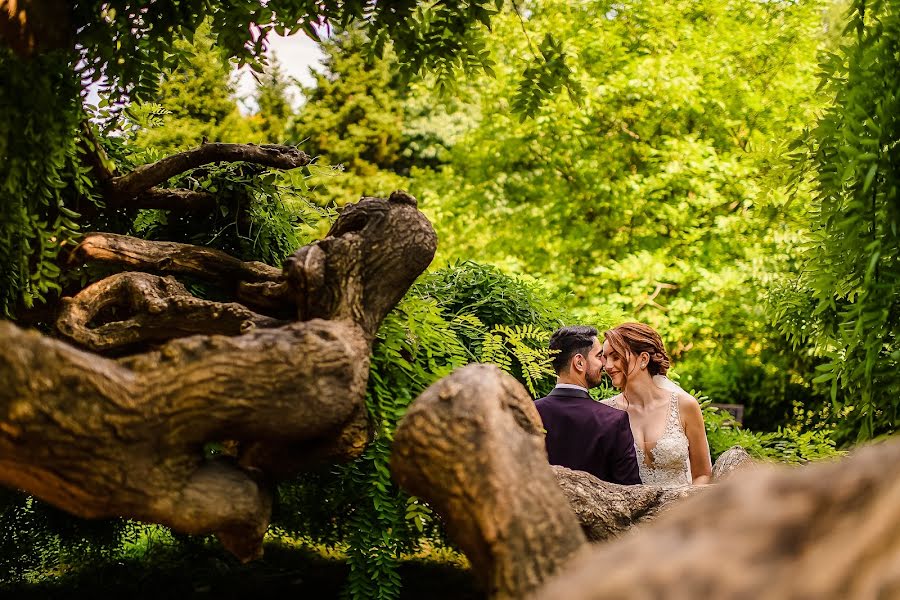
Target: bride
x=669 y=436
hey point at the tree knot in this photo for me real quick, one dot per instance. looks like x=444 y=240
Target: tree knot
x=403 y=197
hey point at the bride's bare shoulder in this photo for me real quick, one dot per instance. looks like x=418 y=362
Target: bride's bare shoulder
x=615 y=401
x=685 y=399
x=688 y=405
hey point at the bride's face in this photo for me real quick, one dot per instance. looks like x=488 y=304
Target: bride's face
x=616 y=365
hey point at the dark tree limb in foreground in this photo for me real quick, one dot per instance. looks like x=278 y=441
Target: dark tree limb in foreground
x=606 y=510
x=103 y=438
x=828 y=531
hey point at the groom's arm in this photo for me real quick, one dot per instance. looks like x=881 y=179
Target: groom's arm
x=623 y=464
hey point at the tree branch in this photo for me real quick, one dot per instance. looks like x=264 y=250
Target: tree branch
x=94 y=154
x=341 y=277
x=102 y=438
x=268 y=296
x=606 y=510
x=146 y=307
x=169 y=257
x=175 y=199
x=827 y=531
x=127 y=187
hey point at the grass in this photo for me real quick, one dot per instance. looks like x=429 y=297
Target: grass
x=156 y=565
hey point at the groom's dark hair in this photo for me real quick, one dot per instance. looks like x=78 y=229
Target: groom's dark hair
x=569 y=341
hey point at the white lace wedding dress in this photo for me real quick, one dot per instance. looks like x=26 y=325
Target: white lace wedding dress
x=669 y=464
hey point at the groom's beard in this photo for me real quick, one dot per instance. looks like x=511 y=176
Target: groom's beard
x=593 y=379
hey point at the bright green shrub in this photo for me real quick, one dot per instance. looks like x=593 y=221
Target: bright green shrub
x=788 y=444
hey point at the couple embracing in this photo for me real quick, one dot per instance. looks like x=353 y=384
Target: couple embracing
x=652 y=432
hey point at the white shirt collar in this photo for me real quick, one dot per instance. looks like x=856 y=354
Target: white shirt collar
x=571 y=386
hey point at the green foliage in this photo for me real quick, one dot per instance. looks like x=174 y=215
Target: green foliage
x=353 y=118
x=198 y=98
x=495 y=298
x=657 y=195
x=274 y=109
x=200 y=87
x=129 y=48
x=260 y=214
x=790 y=445
x=372 y=125
x=544 y=78
x=163 y=53
x=845 y=305
x=767 y=378
x=42 y=178
x=416 y=346
x=499 y=319
x=36 y=538
x=445 y=31
x=527 y=344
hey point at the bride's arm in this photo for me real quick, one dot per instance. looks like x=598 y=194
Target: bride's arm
x=698 y=446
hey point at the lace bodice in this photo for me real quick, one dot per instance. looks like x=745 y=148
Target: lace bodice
x=669 y=463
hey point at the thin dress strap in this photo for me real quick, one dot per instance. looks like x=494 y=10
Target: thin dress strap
x=674 y=418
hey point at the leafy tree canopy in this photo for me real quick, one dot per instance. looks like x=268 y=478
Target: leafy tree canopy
x=129 y=44
x=661 y=192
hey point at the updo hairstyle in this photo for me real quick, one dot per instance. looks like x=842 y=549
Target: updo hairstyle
x=633 y=339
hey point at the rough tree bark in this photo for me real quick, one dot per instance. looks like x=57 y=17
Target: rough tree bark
x=825 y=531
x=149 y=308
x=472 y=445
x=607 y=510
x=100 y=438
x=829 y=531
x=132 y=253
x=138 y=188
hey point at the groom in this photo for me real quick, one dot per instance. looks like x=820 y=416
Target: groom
x=583 y=434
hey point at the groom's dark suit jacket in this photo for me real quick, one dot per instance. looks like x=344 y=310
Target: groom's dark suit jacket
x=588 y=436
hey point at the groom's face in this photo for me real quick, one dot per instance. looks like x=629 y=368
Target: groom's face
x=593 y=369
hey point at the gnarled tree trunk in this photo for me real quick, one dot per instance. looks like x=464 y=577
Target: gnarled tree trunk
x=472 y=445
x=100 y=437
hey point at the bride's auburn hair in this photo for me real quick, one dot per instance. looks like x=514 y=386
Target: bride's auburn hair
x=634 y=338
